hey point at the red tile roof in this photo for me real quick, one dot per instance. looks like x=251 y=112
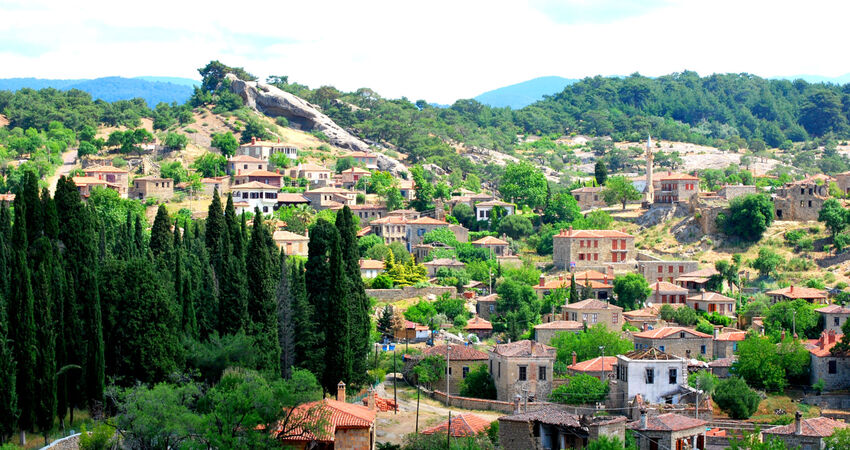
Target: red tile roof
x=260 y=173
x=560 y=325
x=593 y=234
x=663 y=286
x=587 y=189
x=245 y=158
x=464 y=425
x=795 y=292
x=371 y=264
x=595 y=365
x=711 y=297
x=661 y=333
x=592 y=275
x=494 y=203
x=524 y=348
x=731 y=336
x=668 y=422
x=700 y=276
x=253 y=185
x=829 y=341
x=381 y=404
x=592 y=303
x=489 y=240
x=671 y=176
x=427 y=221
x=337 y=415
x=817 y=426
x=105 y=169
x=456 y=353
x=834 y=309
x=284 y=197
x=477 y=323
x=565 y=284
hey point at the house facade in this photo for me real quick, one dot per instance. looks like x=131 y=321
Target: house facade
x=252 y=195
x=798 y=292
x=496 y=246
x=315 y=174
x=668 y=431
x=655 y=375
x=484 y=209
x=485 y=306
x=601 y=368
x=544 y=332
x=674 y=187
x=834 y=317
x=479 y=327
x=726 y=342
x=832 y=369
x=592 y=248
x=713 y=302
x=371 y=268
x=555 y=428
x=697 y=280
x=676 y=341
x=330 y=198
x=434 y=266
x=417 y=228
x=260 y=176
x=264 y=149
x=368 y=213
x=666 y=293
x=462 y=360
x=658 y=270
x=593 y=312
x=601 y=289
x=522 y=368
x=367 y=159
x=589 y=197
x=801 y=200
x=244 y=163
x=291 y=243
x=806 y=434
x=143 y=188
x=116 y=179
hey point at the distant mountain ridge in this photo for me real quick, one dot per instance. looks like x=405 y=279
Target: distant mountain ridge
x=152 y=89
x=525 y=93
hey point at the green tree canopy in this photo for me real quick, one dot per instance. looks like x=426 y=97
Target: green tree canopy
x=523 y=184
x=581 y=389
x=620 y=189
x=735 y=398
x=586 y=344
x=478 y=384
x=631 y=290
x=748 y=218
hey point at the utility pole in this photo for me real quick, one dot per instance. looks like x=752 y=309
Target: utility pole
x=794 y=323
x=449 y=431
x=696 y=408
x=602 y=350
x=395 y=391
x=448 y=375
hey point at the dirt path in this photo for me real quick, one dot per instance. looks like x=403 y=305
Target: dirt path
x=69 y=163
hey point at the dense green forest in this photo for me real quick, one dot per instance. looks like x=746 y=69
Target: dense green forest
x=90 y=298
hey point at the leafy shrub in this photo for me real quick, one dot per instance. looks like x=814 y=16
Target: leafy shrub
x=100 y=438
x=478 y=384
x=798 y=264
x=703 y=326
x=736 y=398
x=806 y=244
x=581 y=389
x=281 y=121
x=119 y=162
x=382 y=282
x=793 y=236
x=685 y=316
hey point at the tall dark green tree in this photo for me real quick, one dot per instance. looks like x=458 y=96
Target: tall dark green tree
x=45 y=294
x=233 y=308
x=184 y=298
x=361 y=324
x=285 y=324
x=573 y=290
x=8 y=385
x=22 y=310
x=160 y=243
x=600 y=172
x=262 y=283
x=308 y=333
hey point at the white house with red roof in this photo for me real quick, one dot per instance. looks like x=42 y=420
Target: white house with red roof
x=254 y=194
x=656 y=376
x=264 y=149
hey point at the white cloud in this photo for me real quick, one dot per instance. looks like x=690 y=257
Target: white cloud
x=440 y=50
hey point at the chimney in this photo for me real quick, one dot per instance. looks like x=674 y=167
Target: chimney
x=570 y=230
x=792 y=289
x=542 y=280
x=516 y=404
x=372 y=399
x=782 y=336
x=340 y=392
x=574 y=358
x=643 y=418
x=831 y=336
x=821 y=342
x=278 y=140
x=645 y=326
x=609 y=272
x=561 y=277
x=716 y=333
x=798 y=423
x=253 y=140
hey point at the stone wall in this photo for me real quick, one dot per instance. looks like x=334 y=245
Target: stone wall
x=517 y=435
x=410 y=292
x=800 y=201
x=678 y=346
x=483 y=405
x=566 y=250
x=353 y=438
x=668 y=269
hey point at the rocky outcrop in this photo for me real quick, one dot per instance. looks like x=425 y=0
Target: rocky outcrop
x=274 y=102
x=391 y=165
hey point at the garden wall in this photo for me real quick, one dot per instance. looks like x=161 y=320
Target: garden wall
x=410 y=292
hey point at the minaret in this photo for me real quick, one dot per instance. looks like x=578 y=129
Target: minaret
x=650 y=195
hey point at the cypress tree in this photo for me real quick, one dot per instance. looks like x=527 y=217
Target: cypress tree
x=5 y=250
x=215 y=230
x=50 y=216
x=234 y=229
x=184 y=298
x=8 y=370
x=587 y=290
x=285 y=324
x=35 y=226
x=205 y=290
x=361 y=324
x=233 y=308
x=88 y=293
x=45 y=369
x=138 y=238
x=262 y=281
x=304 y=323
x=23 y=333
x=160 y=243
x=573 y=290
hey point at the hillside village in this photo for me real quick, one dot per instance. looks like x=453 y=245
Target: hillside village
x=648 y=304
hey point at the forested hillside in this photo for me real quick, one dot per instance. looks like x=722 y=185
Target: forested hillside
x=152 y=89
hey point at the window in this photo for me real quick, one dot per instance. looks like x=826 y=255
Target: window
x=581 y=256
x=522 y=374
x=615 y=318
x=491 y=368
x=492 y=308
x=661 y=347
x=581 y=243
x=500 y=370
x=650 y=376
x=674 y=376
x=584 y=317
x=596 y=256
x=450 y=370
x=702 y=349
x=465 y=371
x=681 y=335
x=541 y=373
x=594 y=317
x=660 y=269
x=835 y=321
x=833 y=367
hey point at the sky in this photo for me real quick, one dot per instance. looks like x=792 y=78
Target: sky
x=439 y=50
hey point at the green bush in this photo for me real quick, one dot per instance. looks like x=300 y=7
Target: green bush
x=581 y=389
x=100 y=438
x=793 y=236
x=735 y=398
x=703 y=326
x=807 y=244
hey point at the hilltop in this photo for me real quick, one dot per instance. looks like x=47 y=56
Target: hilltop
x=152 y=89
x=522 y=94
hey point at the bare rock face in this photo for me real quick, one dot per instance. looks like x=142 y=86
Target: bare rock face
x=274 y=102
x=391 y=165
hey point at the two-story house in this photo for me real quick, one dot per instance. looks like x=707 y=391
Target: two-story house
x=244 y=163
x=264 y=149
x=834 y=317
x=658 y=270
x=367 y=159
x=350 y=177
x=831 y=368
x=483 y=210
x=417 y=228
x=595 y=249
x=330 y=198
x=792 y=292
x=593 y=312
x=657 y=376
x=589 y=197
x=315 y=174
x=522 y=368
x=726 y=342
x=712 y=302
x=260 y=176
x=677 y=341
x=291 y=243
x=664 y=293
x=674 y=187
x=159 y=188
x=252 y=195
x=116 y=178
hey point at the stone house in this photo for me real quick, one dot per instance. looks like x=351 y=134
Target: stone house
x=116 y=179
x=252 y=195
x=330 y=198
x=291 y=243
x=645 y=317
x=592 y=312
x=798 y=292
x=668 y=431
x=601 y=290
x=485 y=306
x=522 y=368
x=496 y=246
x=555 y=428
x=368 y=213
x=210 y=184
x=315 y=174
x=461 y=233
x=349 y=426
x=843 y=182
x=726 y=342
x=483 y=209
x=672 y=187
x=806 y=434
x=800 y=200
x=479 y=327
x=285 y=199
x=412 y=332
x=733 y=191
x=350 y=177
x=834 y=317
x=371 y=268
x=664 y=293
x=390 y=228
x=677 y=341
x=86 y=184
x=260 y=176
x=367 y=159
x=244 y=163
x=264 y=149
x=161 y=189
x=712 y=302
x=657 y=376
x=443 y=263
x=601 y=367
x=658 y=270
x=417 y=228
x=462 y=360
x=833 y=369
x=544 y=332
x=595 y=249
x=720 y=367
x=589 y=197
x=695 y=281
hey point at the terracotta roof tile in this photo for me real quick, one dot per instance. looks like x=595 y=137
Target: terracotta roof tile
x=668 y=422
x=285 y=197
x=817 y=426
x=427 y=221
x=834 y=309
x=477 y=323
x=663 y=286
x=592 y=234
x=736 y=336
x=105 y=169
x=489 y=240
x=283 y=235
x=595 y=365
x=253 y=185
x=552 y=415
x=457 y=353
x=663 y=332
x=245 y=158
x=592 y=303
x=464 y=425
x=371 y=264
x=494 y=203
x=337 y=414
x=525 y=348
x=650 y=354
x=260 y=173
x=796 y=292
x=560 y=325
x=711 y=297
x=587 y=189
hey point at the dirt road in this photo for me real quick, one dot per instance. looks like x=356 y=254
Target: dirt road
x=69 y=162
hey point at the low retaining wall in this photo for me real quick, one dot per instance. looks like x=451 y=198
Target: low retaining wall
x=828 y=401
x=504 y=407
x=71 y=441
x=410 y=292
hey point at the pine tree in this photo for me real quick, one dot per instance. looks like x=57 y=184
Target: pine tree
x=285 y=323
x=600 y=172
x=262 y=280
x=160 y=243
x=233 y=308
x=21 y=309
x=44 y=293
x=573 y=290
x=8 y=370
x=361 y=324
